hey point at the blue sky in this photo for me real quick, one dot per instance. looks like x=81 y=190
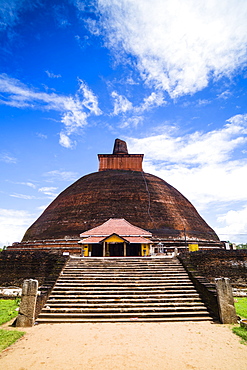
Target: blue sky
x=167 y=76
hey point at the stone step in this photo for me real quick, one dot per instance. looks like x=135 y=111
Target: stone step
x=124 y=259
x=122 y=284
x=123 y=273
x=64 y=300
x=146 y=273
x=116 y=279
x=96 y=290
x=123 y=262
x=120 y=288
x=104 y=304
x=122 y=319
x=147 y=277
x=121 y=278
x=161 y=285
x=124 y=268
x=124 y=295
x=167 y=313
x=93 y=260
x=124 y=310
x=114 y=295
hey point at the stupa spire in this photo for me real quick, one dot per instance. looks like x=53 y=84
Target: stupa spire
x=120 y=147
x=120 y=159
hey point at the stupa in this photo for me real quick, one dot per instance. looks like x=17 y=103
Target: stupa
x=120 y=190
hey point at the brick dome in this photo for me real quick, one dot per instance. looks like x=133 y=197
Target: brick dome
x=142 y=199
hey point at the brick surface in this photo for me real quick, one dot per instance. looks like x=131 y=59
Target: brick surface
x=144 y=200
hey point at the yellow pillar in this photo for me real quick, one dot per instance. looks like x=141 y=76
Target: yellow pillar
x=124 y=249
x=86 y=250
x=144 y=250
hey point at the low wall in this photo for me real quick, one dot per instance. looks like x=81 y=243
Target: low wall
x=206 y=290
x=16 y=266
x=220 y=263
x=43 y=266
x=55 y=245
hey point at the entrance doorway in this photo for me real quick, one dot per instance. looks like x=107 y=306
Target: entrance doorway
x=97 y=250
x=133 y=249
x=116 y=249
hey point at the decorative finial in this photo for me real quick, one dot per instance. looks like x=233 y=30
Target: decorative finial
x=120 y=147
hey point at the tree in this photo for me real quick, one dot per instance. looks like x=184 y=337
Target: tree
x=241 y=246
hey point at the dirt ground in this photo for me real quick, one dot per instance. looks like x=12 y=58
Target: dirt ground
x=118 y=346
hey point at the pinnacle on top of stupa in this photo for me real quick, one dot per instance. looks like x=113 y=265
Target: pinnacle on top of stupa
x=120 y=147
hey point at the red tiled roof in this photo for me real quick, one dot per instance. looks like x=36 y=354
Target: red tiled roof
x=137 y=239
x=92 y=240
x=116 y=226
x=99 y=239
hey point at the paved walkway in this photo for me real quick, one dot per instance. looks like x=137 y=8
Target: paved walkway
x=127 y=346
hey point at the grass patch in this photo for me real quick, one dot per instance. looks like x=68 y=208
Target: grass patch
x=241 y=306
x=8 y=337
x=8 y=309
x=8 y=312
x=241 y=332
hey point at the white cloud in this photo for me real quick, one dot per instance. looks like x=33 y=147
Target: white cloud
x=200 y=165
x=74 y=110
x=7 y=158
x=152 y=101
x=196 y=148
x=133 y=115
x=225 y=95
x=52 y=75
x=48 y=190
x=90 y=100
x=178 y=46
x=29 y=184
x=206 y=168
x=9 y=11
x=41 y=136
x=121 y=103
x=13 y=225
x=92 y=26
x=65 y=141
x=234 y=225
x=58 y=175
x=132 y=121
x=22 y=196
x=203 y=102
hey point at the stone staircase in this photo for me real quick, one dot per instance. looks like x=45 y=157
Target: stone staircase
x=123 y=289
